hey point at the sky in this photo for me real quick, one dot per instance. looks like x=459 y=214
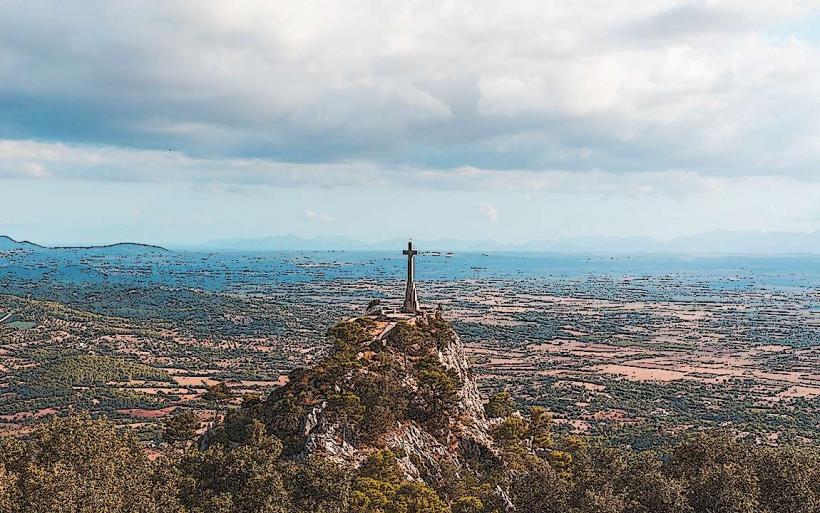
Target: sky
x=182 y=122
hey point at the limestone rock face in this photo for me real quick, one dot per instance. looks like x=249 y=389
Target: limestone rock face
x=399 y=352
x=452 y=356
x=467 y=436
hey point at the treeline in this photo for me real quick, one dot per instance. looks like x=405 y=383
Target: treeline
x=81 y=465
x=712 y=472
x=88 y=370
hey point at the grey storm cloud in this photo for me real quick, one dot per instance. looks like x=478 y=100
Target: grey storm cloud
x=242 y=91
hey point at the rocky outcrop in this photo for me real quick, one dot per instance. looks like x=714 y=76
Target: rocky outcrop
x=425 y=450
x=467 y=436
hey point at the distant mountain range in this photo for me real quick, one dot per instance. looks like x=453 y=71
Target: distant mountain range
x=723 y=242
x=8 y=244
x=294 y=243
x=718 y=242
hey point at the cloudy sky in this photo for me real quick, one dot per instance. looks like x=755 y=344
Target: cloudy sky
x=179 y=122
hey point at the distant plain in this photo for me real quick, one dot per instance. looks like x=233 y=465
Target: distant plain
x=633 y=348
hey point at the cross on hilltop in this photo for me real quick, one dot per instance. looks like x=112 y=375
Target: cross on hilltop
x=411 y=300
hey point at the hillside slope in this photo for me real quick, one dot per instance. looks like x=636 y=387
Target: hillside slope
x=8 y=244
x=119 y=248
x=398 y=384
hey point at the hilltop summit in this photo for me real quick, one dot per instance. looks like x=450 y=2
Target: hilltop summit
x=395 y=382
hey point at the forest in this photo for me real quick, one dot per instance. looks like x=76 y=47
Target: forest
x=84 y=465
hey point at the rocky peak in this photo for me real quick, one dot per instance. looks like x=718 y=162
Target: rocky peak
x=398 y=382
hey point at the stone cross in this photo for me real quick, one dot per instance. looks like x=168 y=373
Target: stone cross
x=411 y=301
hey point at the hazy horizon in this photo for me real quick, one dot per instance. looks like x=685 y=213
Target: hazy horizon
x=716 y=242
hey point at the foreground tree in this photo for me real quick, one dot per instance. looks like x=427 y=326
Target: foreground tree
x=500 y=405
x=76 y=464
x=789 y=480
x=540 y=488
x=8 y=489
x=717 y=473
x=242 y=479
x=649 y=489
x=437 y=393
x=318 y=486
x=380 y=488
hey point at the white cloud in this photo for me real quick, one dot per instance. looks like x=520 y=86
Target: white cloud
x=708 y=87
x=244 y=176
x=319 y=217
x=489 y=211
x=34 y=170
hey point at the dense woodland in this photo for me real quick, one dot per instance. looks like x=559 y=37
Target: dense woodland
x=252 y=463
x=79 y=464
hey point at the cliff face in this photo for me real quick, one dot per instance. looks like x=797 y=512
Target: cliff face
x=392 y=383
